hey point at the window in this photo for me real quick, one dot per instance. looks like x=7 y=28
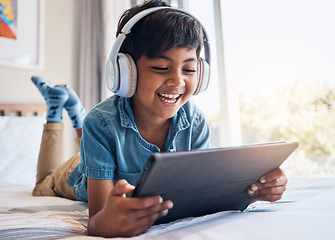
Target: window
x=276 y=80
x=210 y=101
x=272 y=76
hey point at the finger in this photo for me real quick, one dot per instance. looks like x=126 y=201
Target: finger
x=277 y=173
x=272 y=190
x=134 y=204
x=269 y=194
x=121 y=188
x=147 y=221
x=281 y=181
x=144 y=202
x=161 y=208
x=141 y=225
x=274 y=178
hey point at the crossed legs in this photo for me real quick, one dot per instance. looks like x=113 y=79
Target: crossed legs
x=52 y=171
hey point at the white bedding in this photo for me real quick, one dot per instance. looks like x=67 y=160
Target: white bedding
x=305 y=212
x=20 y=139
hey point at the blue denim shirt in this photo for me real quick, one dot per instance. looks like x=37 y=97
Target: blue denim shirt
x=112 y=147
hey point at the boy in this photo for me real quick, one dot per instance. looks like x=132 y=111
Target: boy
x=120 y=133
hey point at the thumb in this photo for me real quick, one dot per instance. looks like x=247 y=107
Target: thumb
x=121 y=188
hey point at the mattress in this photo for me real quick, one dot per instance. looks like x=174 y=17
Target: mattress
x=305 y=212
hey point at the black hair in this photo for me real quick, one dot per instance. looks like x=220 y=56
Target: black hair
x=160 y=31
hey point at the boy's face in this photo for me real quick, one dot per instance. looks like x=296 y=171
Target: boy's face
x=165 y=83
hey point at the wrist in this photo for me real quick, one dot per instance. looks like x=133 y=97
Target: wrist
x=95 y=225
x=91 y=229
x=98 y=225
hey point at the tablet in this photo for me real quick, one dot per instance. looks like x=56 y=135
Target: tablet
x=207 y=181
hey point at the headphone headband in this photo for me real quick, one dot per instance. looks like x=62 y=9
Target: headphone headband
x=113 y=71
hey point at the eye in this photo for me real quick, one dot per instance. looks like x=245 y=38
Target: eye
x=187 y=70
x=160 y=69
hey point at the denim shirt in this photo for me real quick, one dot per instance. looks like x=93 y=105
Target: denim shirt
x=112 y=147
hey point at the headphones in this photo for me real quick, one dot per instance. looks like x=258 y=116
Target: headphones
x=121 y=72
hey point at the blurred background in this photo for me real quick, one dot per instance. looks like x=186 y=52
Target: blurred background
x=272 y=67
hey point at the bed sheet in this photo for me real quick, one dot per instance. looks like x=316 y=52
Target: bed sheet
x=305 y=212
x=23 y=216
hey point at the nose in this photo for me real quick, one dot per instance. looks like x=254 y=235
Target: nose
x=176 y=80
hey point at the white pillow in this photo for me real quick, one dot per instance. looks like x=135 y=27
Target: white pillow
x=20 y=139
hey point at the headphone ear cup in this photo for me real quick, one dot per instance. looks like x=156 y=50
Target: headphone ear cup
x=127 y=75
x=203 y=76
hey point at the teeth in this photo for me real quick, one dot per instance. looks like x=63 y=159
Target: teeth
x=170 y=101
x=169 y=95
x=169 y=98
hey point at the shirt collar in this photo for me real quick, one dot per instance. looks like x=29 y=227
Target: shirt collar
x=179 y=122
x=127 y=118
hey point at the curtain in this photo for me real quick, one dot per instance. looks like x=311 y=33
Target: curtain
x=98 y=27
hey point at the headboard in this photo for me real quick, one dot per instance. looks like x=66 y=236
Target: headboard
x=8 y=109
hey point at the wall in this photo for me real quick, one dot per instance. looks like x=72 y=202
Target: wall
x=61 y=47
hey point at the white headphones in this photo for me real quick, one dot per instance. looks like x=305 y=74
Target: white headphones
x=121 y=72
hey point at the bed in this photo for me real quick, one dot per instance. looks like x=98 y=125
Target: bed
x=305 y=212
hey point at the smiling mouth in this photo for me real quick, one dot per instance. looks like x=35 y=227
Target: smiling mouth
x=169 y=98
